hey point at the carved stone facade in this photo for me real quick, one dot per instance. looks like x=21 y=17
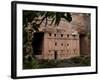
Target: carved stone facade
x=57 y=45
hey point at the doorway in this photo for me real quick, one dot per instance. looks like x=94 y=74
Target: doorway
x=55 y=54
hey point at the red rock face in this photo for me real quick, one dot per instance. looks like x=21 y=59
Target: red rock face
x=81 y=23
x=84 y=45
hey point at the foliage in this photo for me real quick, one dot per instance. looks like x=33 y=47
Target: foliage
x=82 y=60
x=30 y=63
x=86 y=61
x=76 y=59
x=32 y=17
x=48 y=63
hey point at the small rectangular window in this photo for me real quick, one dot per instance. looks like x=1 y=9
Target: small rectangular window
x=55 y=54
x=55 y=35
x=67 y=44
x=61 y=35
x=61 y=44
x=55 y=44
x=68 y=35
x=49 y=51
x=49 y=34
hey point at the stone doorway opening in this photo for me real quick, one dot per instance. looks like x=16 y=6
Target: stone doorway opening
x=55 y=54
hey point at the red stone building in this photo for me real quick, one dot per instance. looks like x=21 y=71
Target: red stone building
x=56 y=42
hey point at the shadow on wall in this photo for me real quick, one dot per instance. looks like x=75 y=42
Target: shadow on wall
x=84 y=45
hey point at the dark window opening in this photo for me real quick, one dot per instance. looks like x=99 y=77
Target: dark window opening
x=55 y=54
x=68 y=35
x=49 y=51
x=55 y=44
x=74 y=36
x=67 y=44
x=61 y=35
x=49 y=34
x=62 y=44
